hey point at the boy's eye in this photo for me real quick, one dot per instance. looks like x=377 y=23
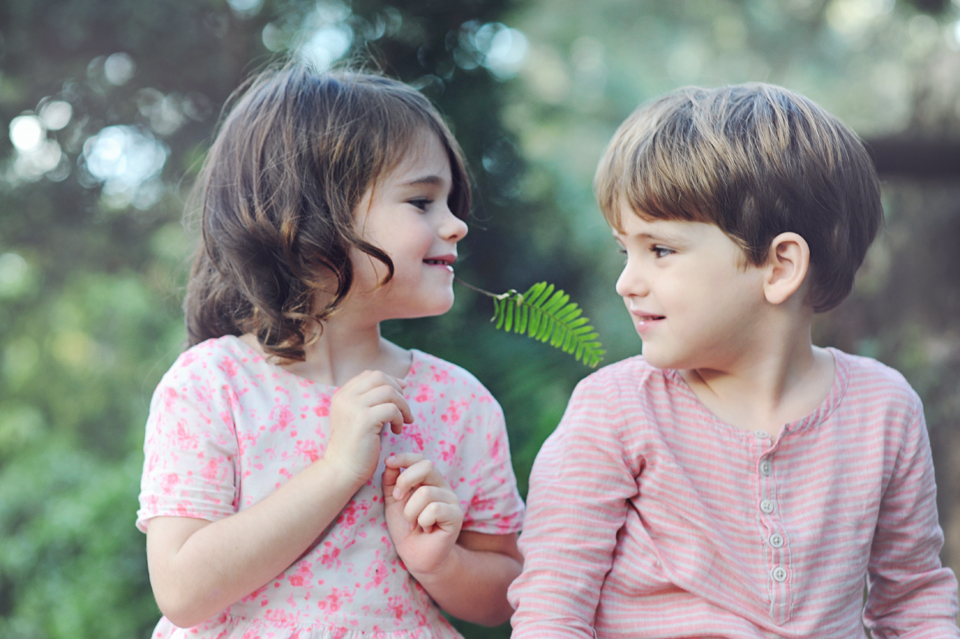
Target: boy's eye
x=661 y=251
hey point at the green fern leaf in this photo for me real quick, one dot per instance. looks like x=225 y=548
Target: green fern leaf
x=546 y=314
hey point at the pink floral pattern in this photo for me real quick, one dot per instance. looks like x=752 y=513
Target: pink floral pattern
x=227 y=428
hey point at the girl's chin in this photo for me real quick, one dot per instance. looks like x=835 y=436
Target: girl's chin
x=431 y=310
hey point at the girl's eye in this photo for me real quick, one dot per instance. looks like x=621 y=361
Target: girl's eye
x=662 y=251
x=421 y=203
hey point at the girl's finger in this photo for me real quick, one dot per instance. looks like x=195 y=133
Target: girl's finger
x=386 y=394
x=422 y=473
x=384 y=414
x=395 y=463
x=389 y=480
x=403 y=460
x=423 y=497
x=447 y=517
x=415 y=475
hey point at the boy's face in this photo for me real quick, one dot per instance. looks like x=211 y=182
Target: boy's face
x=692 y=302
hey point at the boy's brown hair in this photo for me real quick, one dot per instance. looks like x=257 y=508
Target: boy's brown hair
x=278 y=193
x=756 y=160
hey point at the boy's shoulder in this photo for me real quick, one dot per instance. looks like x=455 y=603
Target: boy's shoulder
x=633 y=376
x=868 y=379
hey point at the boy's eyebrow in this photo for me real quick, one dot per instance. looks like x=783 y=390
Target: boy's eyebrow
x=655 y=237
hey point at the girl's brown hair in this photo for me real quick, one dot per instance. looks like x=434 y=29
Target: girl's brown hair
x=277 y=195
x=756 y=160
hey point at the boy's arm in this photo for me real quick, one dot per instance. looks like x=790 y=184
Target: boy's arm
x=579 y=490
x=910 y=593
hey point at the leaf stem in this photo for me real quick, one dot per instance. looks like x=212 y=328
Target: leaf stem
x=487 y=293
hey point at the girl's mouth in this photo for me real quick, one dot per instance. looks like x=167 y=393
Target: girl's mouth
x=441 y=260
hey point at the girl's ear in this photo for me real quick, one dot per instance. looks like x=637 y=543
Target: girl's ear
x=787 y=265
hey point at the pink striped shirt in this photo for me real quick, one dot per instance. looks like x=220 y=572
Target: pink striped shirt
x=648 y=517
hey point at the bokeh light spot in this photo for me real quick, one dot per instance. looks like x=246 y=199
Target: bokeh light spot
x=504 y=49
x=56 y=114
x=246 y=8
x=118 y=68
x=14 y=275
x=327 y=45
x=27 y=132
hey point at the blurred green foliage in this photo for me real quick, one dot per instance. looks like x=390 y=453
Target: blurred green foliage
x=110 y=106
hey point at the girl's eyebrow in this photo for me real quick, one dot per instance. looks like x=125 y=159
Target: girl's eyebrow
x=426 y=179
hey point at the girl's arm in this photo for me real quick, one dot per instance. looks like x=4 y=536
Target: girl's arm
x=198 y=568
x=467 y=573
x=472 y=584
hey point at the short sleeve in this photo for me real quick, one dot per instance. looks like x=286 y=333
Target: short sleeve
x=190 y=447
x=494 y=507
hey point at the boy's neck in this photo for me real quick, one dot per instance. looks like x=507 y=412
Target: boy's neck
x=767 y=388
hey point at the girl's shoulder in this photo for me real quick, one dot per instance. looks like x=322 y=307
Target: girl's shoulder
x=218 y=357
x=433 y=371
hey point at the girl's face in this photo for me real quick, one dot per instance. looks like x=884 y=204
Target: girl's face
x=407 y=216
x=691 y=301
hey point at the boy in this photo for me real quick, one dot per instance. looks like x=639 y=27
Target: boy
x=736 y=480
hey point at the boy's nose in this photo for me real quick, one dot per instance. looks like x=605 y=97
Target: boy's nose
x=631 y=282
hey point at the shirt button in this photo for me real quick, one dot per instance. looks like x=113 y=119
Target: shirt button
x=779 y=574
x=766 y=468
x=761 y=434
x=766 y=506
x=776 y=540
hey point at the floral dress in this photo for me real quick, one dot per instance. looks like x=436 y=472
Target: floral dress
x=227 y=428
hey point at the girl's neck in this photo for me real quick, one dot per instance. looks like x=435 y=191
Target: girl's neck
x=773 y=386
x=345 y=349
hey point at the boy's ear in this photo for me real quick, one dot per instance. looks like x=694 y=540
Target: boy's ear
x=786 y=269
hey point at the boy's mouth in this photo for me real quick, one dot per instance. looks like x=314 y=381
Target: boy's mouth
x=643 y=318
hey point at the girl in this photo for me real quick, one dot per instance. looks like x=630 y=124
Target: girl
x=304 y=477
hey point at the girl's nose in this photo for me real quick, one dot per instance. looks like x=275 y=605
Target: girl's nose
x=452 y=229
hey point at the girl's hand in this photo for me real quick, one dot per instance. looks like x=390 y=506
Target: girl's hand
x=423 y=513
x=358 y=412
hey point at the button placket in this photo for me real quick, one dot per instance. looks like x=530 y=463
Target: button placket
x=769 y=520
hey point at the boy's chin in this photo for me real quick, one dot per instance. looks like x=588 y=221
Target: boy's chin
x=657 y=359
